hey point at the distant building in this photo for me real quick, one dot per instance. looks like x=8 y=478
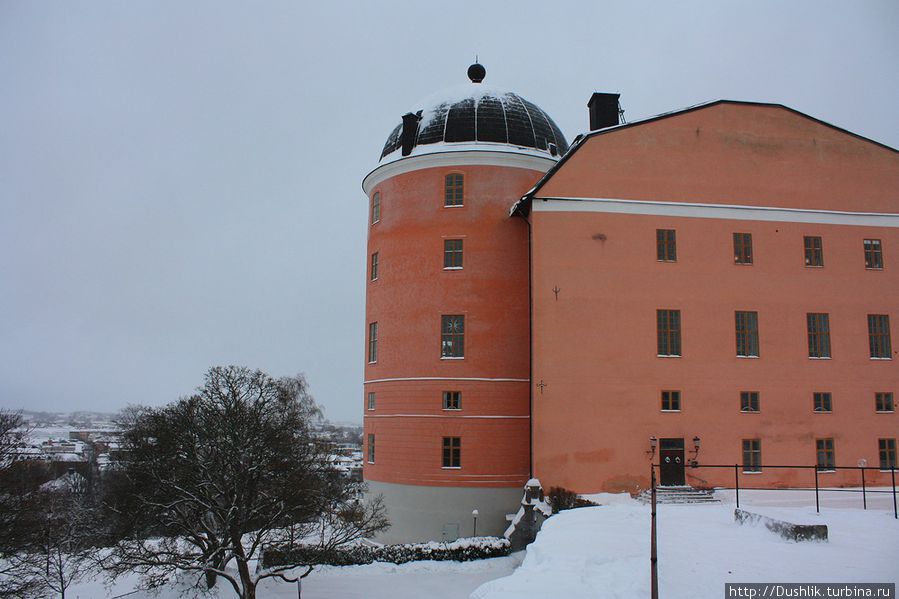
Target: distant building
x=715 y=284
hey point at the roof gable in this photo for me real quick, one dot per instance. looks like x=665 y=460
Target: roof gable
x=729 y=152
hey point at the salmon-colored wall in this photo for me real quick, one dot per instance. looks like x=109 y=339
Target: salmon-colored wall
x=407 y=300
x=595 y=344
x=734 y=154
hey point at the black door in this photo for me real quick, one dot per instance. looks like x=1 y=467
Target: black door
x=671 y=458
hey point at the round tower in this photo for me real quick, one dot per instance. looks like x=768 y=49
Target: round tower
x=446 y=398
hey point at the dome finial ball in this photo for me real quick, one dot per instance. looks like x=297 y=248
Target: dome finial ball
x=476 y=73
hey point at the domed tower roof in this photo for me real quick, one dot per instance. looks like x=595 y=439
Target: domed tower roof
x=476 y=114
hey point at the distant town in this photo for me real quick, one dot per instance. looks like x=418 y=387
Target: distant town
x=80 y=445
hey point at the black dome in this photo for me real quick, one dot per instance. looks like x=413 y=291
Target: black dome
x=478 y=113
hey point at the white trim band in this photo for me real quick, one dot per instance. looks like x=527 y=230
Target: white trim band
x=446 y=378
x=446 y=416
x=450 y=158
x=720 y=211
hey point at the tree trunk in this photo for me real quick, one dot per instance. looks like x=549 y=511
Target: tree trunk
x=243 y=568
x=246 y=580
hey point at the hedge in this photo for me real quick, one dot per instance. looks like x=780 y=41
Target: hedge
x=462 y=550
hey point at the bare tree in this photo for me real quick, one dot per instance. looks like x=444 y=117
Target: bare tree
x=218 y=476
x=58 y=553
x=12 y=433
x=15 y=526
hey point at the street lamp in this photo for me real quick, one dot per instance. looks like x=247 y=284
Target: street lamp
x=474 y=515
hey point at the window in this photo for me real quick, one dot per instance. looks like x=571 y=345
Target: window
x=752 y=455
x=668 y=322
x=373 y=342
x=452 y=253
x=883 y=401
x=452 y=400
x=818 y=335
x=825 y=454
x=374 y=266
x=376 y=207
x=452 y=452
x=822 y=401
x=873 y=254
x=749 y=401
x=371 y=401
x=666 y=245
x=671 y=401
x=742 y=248
x=879 y=336
x=814 y=251
x=887 y=449
x=371 y=449
x=452 y=190
x=452 y=336
x=747 y=325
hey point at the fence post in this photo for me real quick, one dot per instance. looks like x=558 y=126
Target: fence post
x=817 y=503
x=653 y=550
x=737 y=482
x=864 y=497
x=893 y=477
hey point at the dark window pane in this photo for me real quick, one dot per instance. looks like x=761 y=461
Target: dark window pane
x=825 y=454
x=452 y=338
x=752 y=455
x=822 y=401
x=452 y=253
x=873 y=254
x=818 y=335
x=749 y=401
x=453 y=190
x=452 y=452
x=666 y=245
x=887 y=450
x=671 y=400
x=814 y=253
x=879 y=336
x=668 y=325
x=743 y=248
x=747 y=330
x=373 y=342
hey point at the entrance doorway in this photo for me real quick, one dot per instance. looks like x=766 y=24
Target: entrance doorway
x=671 y=460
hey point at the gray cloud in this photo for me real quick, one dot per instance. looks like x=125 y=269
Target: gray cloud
x=180 y=182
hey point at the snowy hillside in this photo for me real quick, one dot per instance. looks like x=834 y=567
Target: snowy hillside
x=604 y=551
x=581 y=552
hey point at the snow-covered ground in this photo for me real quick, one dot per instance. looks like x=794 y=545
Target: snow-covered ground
x=415 y=580
x=604 y=551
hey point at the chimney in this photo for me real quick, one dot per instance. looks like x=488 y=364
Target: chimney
x=410 y=131
x=603 y=110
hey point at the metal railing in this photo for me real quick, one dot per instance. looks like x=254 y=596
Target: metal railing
x=739 y=469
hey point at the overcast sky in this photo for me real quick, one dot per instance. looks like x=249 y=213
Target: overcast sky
x=180 y=181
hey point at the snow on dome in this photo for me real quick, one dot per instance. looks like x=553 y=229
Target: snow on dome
x=475 y=114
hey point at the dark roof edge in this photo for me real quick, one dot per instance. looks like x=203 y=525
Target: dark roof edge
x=522 y=206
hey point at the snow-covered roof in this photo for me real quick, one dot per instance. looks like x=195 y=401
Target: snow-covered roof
x=477 y=115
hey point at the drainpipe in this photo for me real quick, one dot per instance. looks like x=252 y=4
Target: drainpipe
x=530 y=355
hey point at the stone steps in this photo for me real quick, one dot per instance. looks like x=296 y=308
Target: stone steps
x=680 y=495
